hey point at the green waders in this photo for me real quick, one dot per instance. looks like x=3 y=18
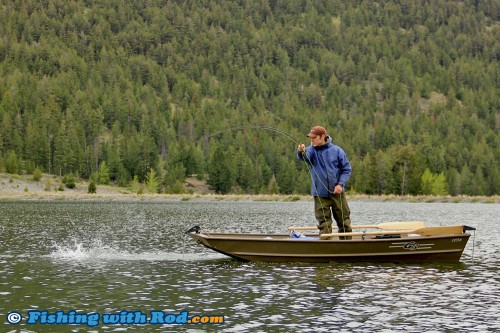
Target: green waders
x=336 y=205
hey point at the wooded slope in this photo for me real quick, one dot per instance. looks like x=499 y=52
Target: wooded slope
x=158 y=90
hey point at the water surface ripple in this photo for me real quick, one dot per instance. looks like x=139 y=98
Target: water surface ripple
x=108 y=257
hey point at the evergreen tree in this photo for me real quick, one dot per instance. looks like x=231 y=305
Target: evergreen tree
x=152 y=181
x=219 y=174
x=104 y=178
x=134 y=83
x=12 y=164
x=427 y=182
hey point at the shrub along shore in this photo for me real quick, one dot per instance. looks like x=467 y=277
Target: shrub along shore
x=23 y=187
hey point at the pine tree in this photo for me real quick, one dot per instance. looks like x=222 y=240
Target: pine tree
x=152 y=181
x=219 y=174
x=427 y=182
x=439 y=185
x=104 y=178
x=138 y=83
x=12 y=164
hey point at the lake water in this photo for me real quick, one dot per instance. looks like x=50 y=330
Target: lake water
x=131 y=258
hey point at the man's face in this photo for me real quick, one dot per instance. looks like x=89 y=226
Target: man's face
x=317 y=140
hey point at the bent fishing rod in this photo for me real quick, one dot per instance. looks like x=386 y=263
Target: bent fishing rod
x=310 y=167
x=269 y=128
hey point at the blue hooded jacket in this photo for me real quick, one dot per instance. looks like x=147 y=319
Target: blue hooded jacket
x=329 y=167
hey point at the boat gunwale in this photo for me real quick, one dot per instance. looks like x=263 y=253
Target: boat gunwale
x=286 y=238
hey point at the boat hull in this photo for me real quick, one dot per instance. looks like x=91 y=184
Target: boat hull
x=282 y=248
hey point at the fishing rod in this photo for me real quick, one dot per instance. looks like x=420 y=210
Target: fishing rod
x=269 y=128
x=309 y=164
x=277 y=130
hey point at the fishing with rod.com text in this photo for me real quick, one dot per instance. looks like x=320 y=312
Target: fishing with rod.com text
x=124 y=317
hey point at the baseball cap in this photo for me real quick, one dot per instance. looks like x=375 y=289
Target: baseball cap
x=316 y=131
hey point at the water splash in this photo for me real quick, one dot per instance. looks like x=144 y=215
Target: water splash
x=98 y=251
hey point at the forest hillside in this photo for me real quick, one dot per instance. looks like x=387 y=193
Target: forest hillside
x=150 y=92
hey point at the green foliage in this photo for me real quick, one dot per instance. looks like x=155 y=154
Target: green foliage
x=12 y=164
x=439 y=185
x=29 y=167
x=176 y=188
x=433 y=184
x=48 y=184
x=152 y=181
x=69 y=180
x=220 y=176
x=37 y=174
x=273 y=187
x=401 y=86
x=427 y=181
x=134 y=185
x=174 y=174
x=104 y=174
x=92 y=188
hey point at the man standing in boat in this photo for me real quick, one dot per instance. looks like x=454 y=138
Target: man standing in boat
x=330 y=170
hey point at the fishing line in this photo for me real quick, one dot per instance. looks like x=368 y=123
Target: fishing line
x=269 y=128
x=309 y=164
x=310 y=167
x=276 y=130
x=272 y=129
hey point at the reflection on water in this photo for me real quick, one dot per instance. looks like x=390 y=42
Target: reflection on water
x=108 y=257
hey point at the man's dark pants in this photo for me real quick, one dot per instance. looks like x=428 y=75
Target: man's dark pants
x=336 y=206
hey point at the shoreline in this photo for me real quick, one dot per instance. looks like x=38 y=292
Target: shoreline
x=130 y=197
x=23 y=188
